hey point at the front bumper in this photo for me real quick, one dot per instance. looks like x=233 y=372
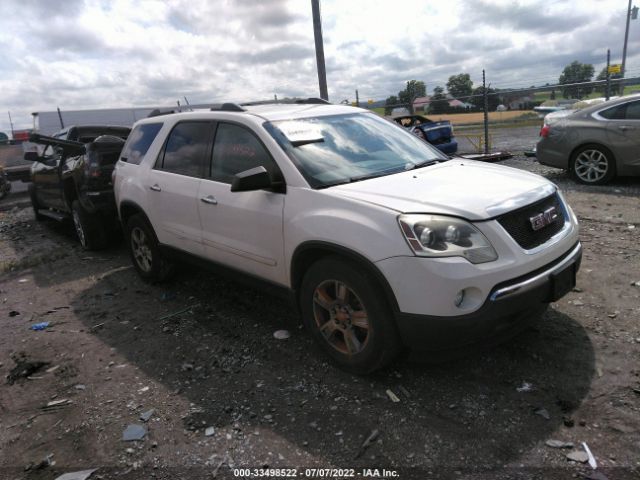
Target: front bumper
x=510 y=307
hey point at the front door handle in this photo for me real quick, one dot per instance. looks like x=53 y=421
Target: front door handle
x=210 y=199
x=155 y=188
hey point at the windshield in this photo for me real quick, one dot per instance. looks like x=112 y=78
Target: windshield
x=339 y=149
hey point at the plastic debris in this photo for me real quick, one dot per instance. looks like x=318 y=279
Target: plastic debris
x=592 y=460
x=80 y=386
x=134 y=432
x=209 y=431
x=81 y=475
x=543 y=413
x=394 y=398
x=578 y=456
x=281 y=334
x=368 y=441
x=526 y=387
x=14 y=313
x=24 y=369
x=39 y=326
x=559 y=444
x=23 y=280
x=146 y=416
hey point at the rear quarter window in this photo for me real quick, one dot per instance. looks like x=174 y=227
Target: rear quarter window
x=139 y=141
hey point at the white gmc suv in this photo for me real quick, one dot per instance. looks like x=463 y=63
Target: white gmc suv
x=381 y=240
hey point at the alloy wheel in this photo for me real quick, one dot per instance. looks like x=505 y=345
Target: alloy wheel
x=140 y=248
x=341 y=317
x=591 y=166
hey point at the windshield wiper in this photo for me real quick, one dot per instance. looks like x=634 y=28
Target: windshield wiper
x=426 y=163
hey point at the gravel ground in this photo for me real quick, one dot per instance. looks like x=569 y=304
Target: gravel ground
x=200 y=353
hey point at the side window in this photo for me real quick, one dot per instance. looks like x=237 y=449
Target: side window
x=614 y=113
x=186 y=149
x=139 y=141
x=633 y=111
x=235 y=150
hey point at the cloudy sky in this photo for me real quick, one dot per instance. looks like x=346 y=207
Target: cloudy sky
x=79 y=54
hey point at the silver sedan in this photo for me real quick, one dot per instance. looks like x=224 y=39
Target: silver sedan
x=596 y=143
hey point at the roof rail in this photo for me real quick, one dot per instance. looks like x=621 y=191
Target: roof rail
x=289 y=101
x=157 y=112
x=228 y=107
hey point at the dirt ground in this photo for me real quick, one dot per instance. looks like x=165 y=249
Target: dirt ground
x=224 y=393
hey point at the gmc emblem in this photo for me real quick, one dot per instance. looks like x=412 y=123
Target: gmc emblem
x=543 y=219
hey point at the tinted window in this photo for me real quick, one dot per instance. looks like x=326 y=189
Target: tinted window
x=633 y=111
x=186 y=148
x=139 y=142
x=614 y=113
x=236 y=149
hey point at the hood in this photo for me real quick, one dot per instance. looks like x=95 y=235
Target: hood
x=463 y=188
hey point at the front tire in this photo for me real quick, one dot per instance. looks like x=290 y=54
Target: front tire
x=348 y=317
x=145 y=251
x=89 y=228
x=593 y=165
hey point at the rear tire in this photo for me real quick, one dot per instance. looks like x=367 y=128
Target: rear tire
x=34 y=203
x=89 y=228
x=145 y=251
x=348 y=317
x=593 y=165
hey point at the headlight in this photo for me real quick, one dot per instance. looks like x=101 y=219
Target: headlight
x=441 y=236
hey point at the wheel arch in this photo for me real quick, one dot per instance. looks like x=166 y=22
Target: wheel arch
x=310 y=252
x=128 y=209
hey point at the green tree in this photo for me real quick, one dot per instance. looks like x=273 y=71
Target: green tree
x=576 y=72
x=478 y=98
x=439 y=103
x=615 y=87
x=391 y=102
x=460 y=86
x=413 y=90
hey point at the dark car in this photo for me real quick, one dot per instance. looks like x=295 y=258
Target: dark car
x=438 y=134
x=72 y=179
x=596 y=143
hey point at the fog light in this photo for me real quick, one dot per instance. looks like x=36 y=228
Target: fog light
x=459 y=298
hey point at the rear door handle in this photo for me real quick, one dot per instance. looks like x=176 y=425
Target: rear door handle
x=155 y=188
x=210 y=199
x=626 y=127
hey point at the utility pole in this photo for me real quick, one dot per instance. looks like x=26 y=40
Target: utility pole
x=486 y=113
x=357 y=99
x=11 y=123
x=631 y=13
x=608 y=91
x=317 y=34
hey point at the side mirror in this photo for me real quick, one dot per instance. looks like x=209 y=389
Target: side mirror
x=32 y=157
x=253 y=179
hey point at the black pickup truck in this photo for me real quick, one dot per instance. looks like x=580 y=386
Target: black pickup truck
x=72 y=179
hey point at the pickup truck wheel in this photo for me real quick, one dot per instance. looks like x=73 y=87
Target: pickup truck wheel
x=34 y=204
x=89 y=229
x=145 y=252
x=348 y=316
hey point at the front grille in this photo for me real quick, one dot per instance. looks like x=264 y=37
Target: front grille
x=518 y=224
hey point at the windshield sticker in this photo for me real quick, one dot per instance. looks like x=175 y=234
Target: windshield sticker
x=301 y=132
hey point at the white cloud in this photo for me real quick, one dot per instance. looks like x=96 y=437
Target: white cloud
x=94 y=54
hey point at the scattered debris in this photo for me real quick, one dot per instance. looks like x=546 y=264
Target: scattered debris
x=543 y=413
x=281 y=334
x=52 y=369
x=394 y=398
x=635 y=284
x=577 y=289
x=209 y=431
x=143 y=389
x=596 y=475
x=14 y=313
x=568 y=421
x=81 y=475
x=559 y=444
x=134 y=432
x=56 y=404
x=368 y=441
x=24 y=369
x=578 y=456
x=39 y=326
x=23 y=280
x=592 y=460
x=179 y=312
x=526 y=387
x=146 y=416
x=578 y=303
x=44 y=463
x=80 y=386
x=96 y=327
